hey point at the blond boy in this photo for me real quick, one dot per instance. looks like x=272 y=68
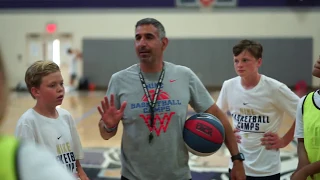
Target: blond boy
x=25 y=161
x=45 y=123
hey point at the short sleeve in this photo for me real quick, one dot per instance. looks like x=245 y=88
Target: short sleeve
x=112 y=89
x=286 y=100
x=299 y=132
x=200 y=99
x=25 y=132
x=222 y=102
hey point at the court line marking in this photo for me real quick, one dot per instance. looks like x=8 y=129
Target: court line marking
x=86 y=114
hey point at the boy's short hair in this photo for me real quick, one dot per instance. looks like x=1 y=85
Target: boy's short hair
x=253 y=47
x=37 y=71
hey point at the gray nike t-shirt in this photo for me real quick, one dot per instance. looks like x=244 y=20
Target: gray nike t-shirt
x=166 y=158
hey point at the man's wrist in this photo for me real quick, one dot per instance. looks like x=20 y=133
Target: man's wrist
x=238 y=157
x=110 y=130
x=236 y=162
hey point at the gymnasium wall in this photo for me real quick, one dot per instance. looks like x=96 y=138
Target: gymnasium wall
x=119 y=24
x=210 y=58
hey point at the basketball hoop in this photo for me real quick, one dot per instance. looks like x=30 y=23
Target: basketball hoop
x=207 y=4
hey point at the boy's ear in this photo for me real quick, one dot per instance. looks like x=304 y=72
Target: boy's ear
x=316 y=69
x=35 y=91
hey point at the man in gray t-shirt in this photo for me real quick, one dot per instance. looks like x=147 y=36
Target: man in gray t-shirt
x=151 y=98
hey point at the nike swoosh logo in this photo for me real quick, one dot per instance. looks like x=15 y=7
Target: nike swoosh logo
x=172 y=80
x=245 y=103
x=59 y=137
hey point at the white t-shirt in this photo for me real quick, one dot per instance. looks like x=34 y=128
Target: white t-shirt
x=59 y=135
x=299 y=132
x=73 y=64
x=36 y=163
x=254 y=112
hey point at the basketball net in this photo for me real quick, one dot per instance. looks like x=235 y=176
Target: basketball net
x=206 y=5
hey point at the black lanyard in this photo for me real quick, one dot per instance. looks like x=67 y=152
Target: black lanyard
x=152 y=104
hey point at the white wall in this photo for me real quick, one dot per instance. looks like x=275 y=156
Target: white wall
x=14 y=27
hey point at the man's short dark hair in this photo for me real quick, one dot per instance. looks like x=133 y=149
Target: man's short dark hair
x=157 y=24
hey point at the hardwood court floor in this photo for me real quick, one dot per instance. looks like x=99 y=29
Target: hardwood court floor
x=102 y=159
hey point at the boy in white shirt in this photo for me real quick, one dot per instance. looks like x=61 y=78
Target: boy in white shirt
x=75 y=57
x=257 y=104
x=307 y=133
x=24 y=161
x=47 y=125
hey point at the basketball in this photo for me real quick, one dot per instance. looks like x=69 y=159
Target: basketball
x=203 y=134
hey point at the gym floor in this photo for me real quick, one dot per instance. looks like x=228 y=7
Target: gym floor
x=102 y=158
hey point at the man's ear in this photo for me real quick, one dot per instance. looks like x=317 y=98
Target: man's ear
x=165 y=42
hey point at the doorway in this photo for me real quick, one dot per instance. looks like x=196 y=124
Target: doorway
x=51 y=47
